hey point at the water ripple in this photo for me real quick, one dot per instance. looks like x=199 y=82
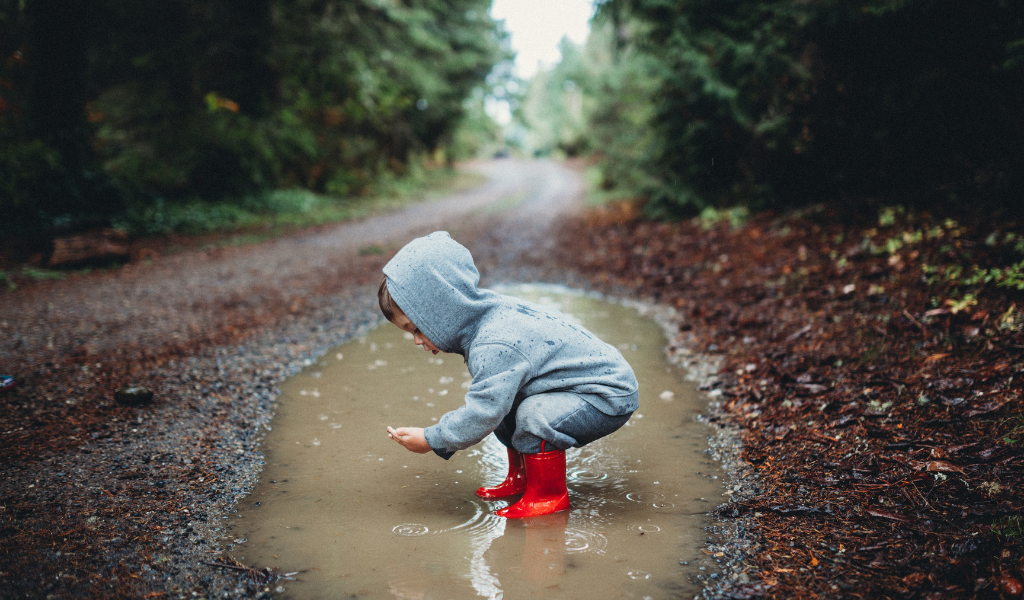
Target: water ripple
x=644 y=528
x=411 y=529
x=586 y=475
x=645 y=497
x=481 y=524
x=578 y=540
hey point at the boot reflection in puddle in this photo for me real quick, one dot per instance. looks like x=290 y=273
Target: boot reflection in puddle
x=529 y=558
x=544 y=549
x=544 y=552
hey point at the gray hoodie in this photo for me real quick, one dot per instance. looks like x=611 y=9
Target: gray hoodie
x=513 y=349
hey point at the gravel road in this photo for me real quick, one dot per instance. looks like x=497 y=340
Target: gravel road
x=178 y=296
x=99 y=500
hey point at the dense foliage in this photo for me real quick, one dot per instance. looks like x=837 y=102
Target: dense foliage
x=770 y=102
x=107 y=104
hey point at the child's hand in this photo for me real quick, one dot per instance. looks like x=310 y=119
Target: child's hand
x=410 y=437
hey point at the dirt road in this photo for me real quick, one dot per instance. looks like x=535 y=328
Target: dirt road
x=180 y=296
x=100 y=500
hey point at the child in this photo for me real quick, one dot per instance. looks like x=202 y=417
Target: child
x=540 y=382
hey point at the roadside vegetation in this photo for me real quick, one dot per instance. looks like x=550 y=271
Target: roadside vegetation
x=773 y=103
x=170 y=227
x=190 y=117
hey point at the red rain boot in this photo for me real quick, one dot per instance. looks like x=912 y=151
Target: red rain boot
x=515 y=482
x=545 y=486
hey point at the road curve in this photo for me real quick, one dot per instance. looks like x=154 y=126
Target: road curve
x=142 y=492
x=180 y=296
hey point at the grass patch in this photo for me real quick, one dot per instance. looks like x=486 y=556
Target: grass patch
x=9 y=279
x=7 y=282
x=1011 y=429
x=596 y=192
x=710 y=217
x=257 y=218
x=371 y=250
x=36 y=274
x=1009 y=528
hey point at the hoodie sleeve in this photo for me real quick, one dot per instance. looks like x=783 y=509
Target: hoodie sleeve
x=499 y=372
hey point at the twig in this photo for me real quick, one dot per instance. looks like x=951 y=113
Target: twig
x=907 y=314
x=223 y=566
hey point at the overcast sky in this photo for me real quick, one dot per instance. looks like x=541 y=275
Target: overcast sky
x=538 y=25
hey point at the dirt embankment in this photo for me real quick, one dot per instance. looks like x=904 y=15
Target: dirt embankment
x=879 y=403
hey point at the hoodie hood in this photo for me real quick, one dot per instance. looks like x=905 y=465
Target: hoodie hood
x=434 y=281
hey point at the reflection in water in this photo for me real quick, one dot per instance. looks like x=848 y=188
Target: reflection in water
x=480 y=576
x=544 y=550
x=361 y=516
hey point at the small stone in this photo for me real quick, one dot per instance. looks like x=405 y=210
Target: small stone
x=133 y=395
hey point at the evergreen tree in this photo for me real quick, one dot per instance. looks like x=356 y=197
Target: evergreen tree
x=176 y=99
x=774 y=101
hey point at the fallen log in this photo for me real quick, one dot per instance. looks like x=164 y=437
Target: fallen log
x=104 y=245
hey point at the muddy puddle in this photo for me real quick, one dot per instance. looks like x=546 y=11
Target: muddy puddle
x=361 y=517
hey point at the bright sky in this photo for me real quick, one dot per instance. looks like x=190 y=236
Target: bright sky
x=538 y=25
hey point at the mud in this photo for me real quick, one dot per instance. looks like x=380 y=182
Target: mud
x=355 y=513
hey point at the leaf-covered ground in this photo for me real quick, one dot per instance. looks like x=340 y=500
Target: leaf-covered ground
x=872 y=359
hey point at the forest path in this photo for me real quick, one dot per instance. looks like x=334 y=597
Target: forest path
x=182 y=297
x=212 y=333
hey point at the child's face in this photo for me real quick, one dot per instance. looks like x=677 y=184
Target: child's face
x=418 y=338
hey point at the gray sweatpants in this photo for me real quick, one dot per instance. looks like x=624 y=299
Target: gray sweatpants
x=561 y=419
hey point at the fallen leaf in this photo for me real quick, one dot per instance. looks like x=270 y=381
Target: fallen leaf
x=914 y=579
x=1010 y=586
x=944 y=466
x=884 y=514
x=985 y=409
x=935 y=357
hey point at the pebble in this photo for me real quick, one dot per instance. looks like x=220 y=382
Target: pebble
x=133 y=395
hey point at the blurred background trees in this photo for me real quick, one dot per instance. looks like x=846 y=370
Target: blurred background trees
x=710 y=103
x=110 y=106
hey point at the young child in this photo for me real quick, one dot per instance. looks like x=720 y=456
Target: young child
x=540 y=382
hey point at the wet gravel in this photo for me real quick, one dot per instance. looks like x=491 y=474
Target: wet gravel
x=103 y=500
x=143 y=496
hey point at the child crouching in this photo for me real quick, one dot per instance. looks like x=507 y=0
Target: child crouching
x=540 y=383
